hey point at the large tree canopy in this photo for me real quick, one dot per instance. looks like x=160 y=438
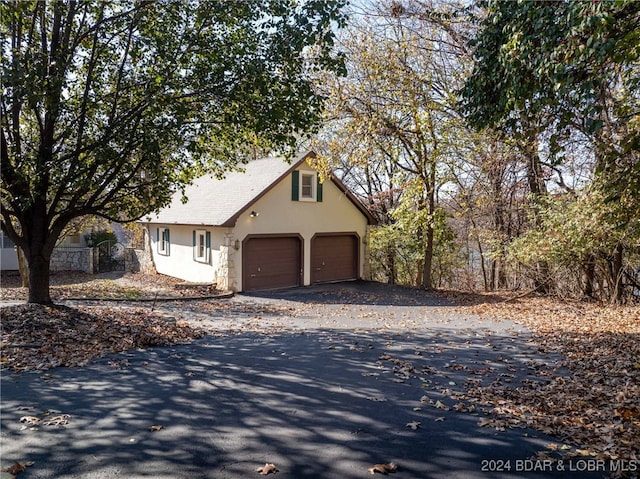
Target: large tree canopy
x=562 y=66
x=556 y=71
x=110 y=107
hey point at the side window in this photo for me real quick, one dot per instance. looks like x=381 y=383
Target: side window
x=163 y=241
x=201 y=245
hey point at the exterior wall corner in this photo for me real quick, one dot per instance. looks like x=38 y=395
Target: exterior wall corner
x=226 y=278
x=366 y=254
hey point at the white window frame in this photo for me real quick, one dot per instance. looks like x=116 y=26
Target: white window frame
x=314 y=182
x=201 y=253
x=163 y=243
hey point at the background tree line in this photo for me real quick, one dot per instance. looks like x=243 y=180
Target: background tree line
x=497 y=143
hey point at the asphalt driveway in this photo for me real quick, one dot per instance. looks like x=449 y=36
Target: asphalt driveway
x=324 y=382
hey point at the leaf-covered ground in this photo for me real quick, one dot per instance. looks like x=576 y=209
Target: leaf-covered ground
x=591 y=401
x=35 y=337
x=597 y=403
x=131 y=286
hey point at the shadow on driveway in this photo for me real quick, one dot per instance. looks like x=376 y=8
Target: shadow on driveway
x=355 y=292
x=323 y=403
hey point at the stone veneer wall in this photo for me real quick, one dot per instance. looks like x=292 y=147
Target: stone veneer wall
x=72 y=259
x=226 y=272
x=82 y=259
x=139 y=261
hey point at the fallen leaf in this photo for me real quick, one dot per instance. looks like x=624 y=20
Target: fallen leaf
x=585 y=452
x=383 y=468
x=61 y=420
x=16 y=468
x=33 y=420
x=627 y=412
x=599 y=347
x=267 y=469
x=414 y=425
x=440 y=405
x=67 y=336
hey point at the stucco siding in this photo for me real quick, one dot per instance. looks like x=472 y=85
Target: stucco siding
x=180 y=261
x=277 y=213
x=8 y=259
x=273 y=211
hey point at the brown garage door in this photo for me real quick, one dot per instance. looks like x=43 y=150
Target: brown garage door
x=334 y=258
x=272 y=262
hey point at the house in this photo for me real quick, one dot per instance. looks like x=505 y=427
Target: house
x=8 y=254
x=273 y=225
x=71 y=253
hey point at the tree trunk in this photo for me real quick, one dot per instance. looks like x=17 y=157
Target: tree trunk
x=391 y=266
x=38 y=252
x=39 y=280
x=502 y=274
x=427 y=276
x=417 y=282
x=589 y=269
x=23 y=267
x=427 y=280
x=483 y=266
x=538 y=188
x=616 y=275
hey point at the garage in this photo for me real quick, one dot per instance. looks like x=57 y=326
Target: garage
x=334 y=257
x=271 y=262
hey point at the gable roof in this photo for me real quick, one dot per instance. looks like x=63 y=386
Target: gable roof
x=219 y=202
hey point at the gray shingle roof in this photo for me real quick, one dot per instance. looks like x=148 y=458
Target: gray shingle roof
x=217 y=202
x=214 y=202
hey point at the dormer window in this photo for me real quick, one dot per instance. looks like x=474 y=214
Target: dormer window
x=307 y=183
x=306 y=186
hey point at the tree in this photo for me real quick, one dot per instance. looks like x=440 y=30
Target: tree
x=585 y=235
x=108 y=108
x=396 y=107
x=568 y=65
x=488 y=204
x=546 y=70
